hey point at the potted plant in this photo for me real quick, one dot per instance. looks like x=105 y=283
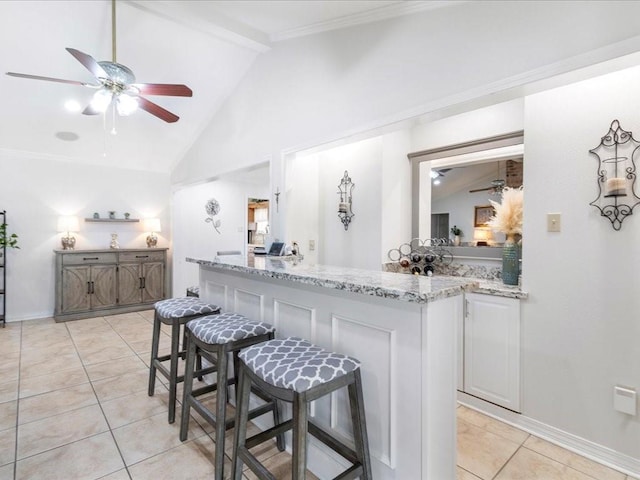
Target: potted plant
x=457 y=233
x=7 y=240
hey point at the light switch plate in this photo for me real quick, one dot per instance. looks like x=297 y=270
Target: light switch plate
x=553 y=222
x=312 y=245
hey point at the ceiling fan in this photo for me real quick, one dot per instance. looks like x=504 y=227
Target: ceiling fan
x=117 y=84
x=496 y=187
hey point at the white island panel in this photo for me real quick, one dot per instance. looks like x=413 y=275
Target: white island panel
x=407 y=349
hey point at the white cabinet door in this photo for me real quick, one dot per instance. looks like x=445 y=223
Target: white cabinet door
x=492 y=349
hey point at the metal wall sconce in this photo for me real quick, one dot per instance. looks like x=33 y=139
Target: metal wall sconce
x=616 y=175
x=345 y=190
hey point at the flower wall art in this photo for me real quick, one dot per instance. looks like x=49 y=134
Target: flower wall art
x=212 y=208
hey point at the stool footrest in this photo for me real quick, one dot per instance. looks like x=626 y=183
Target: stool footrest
x=254 y=465
x=354 y=472
x=332 y=442
x=268 y=434
x=196 y=392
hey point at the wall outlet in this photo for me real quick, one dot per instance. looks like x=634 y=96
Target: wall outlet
x=312 y=245
x=624 y=399
x=553 y=222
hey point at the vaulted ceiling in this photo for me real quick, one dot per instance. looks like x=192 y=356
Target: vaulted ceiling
x=207 y=45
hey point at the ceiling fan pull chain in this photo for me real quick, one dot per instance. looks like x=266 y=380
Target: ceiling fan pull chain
x=113 y=119
x=104 y=134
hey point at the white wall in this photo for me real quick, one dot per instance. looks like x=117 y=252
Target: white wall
x=580 y=325
x=381 y=201
x=193 y=237
x=36 y=191
x=360 y=245
x=484 y=122
x=316 y=89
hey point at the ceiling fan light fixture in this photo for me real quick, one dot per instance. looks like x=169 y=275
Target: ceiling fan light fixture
x=72 y=106
x=101 y=100
x=126 y=104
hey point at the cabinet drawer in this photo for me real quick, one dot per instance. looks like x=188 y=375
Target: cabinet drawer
x=141 y=256
x=88 y=258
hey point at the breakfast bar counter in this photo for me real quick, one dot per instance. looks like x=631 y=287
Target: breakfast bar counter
x=401 y=327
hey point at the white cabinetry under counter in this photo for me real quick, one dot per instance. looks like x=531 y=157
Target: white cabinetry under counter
x=492 y=349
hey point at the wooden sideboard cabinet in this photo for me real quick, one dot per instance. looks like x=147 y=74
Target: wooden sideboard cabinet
x=91 y=283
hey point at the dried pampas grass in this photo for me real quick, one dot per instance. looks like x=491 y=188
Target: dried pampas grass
x=508 y=217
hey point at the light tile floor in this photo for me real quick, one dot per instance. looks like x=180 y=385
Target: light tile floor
x=74 y=405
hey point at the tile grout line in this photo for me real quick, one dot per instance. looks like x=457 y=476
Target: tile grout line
x=15 y=447
x=511 y=457
x=84 y=367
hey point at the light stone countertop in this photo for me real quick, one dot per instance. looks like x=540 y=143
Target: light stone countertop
x=407 y=288
x=499 y=289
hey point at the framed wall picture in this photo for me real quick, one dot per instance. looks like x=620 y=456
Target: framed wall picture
x=483 y=214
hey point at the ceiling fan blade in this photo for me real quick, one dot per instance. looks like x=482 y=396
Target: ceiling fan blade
x=157 y=110
x=163 y=89
x=89 y=63
x=481 y=189
x=49 y=79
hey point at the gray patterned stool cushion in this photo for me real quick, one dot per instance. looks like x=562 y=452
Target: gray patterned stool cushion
x=226 y=327
x=184 y=307
x=194 y=291
x=295 y=364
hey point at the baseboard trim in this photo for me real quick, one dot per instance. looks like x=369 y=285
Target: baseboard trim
x=591 y=450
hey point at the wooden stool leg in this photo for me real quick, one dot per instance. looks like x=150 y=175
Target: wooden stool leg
x=173 y=370
x=221 y=408
x=299 y=461
x=188 y=386
x=361 y=439
x=155 y=342
x=280 y=443
x=242 y=414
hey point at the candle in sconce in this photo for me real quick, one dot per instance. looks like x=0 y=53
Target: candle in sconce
x=616 y=187
x=342 y=208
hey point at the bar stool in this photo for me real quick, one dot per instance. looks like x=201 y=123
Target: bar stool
x=296 y=371
x=193 y=291
x=174 y=312
x=221 y=335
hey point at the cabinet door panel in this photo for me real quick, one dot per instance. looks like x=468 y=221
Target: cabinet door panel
x=104 y=286
x=75 y=289
x=492 y=349
x=153 y=274
x=129 y=284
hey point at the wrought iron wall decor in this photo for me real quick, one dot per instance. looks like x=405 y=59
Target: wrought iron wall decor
x=345 y=190
x=212 y=207
x=616 y=175
x=421 y=255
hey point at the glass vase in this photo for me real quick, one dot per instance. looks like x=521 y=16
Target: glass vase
x=510 y=261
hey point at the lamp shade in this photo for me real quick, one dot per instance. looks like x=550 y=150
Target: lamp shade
x=68 y=223
x=152 y=225
x=481 y=236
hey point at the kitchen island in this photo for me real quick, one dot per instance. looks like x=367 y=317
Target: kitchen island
x=401 y=327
